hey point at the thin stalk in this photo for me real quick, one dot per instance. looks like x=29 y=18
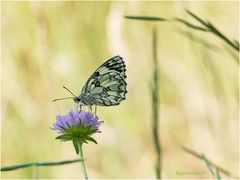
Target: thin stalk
x=211 y=28
x=200 y=156
x=82 y=162
x=29 y=164
x=155 y=106
x=211 y=168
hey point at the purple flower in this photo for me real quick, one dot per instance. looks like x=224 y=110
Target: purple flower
x=88 y=118
x=78 y=119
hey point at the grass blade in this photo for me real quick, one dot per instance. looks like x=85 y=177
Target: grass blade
x=145 y=18
x=199 y=156
x=45 y=163
x=211 y=28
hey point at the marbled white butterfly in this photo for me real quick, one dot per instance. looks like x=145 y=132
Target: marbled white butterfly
x=105 y=87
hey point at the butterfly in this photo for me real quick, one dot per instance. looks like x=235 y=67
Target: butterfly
x=105 y=87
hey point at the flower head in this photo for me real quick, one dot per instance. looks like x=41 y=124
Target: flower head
x=76 y=118
x=77 y=126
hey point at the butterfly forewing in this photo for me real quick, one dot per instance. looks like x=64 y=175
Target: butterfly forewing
x=115 y=64
x=107 y=85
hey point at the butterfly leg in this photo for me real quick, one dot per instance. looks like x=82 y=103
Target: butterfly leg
x=89 y=108
x=76 y=106
x=95 y=109
x=81 y=106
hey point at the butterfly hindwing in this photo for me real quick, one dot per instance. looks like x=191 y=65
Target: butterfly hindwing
x=106 y=86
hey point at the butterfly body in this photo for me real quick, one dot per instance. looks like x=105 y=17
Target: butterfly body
x=106 y=86
x=84 y=99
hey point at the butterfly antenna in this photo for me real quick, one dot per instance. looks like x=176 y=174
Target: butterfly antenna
x=69 y=91
x=62 y=98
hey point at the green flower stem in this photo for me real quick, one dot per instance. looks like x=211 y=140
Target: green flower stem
x=82 y=162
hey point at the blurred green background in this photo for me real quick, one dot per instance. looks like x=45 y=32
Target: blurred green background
x=49 y=44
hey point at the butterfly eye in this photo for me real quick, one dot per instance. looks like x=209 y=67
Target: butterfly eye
x=76 y=99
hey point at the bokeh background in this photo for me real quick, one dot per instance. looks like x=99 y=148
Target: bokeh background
x=49 y=44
